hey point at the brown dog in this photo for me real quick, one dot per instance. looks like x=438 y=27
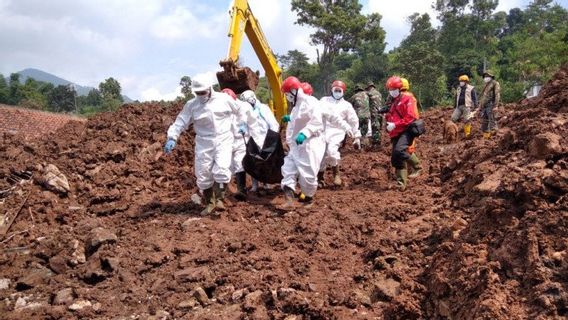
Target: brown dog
x=450 y=131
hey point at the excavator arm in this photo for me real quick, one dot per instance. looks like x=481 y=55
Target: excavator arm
x=240 y=79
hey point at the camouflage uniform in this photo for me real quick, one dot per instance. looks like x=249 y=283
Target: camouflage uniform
x=375 y=103
x=490 y=98
x=360 y=102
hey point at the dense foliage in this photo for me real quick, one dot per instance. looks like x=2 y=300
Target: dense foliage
x=523 y=47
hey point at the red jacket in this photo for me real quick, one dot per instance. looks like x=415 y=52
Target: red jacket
x=401 y=113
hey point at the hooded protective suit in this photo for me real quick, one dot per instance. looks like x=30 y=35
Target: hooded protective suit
x=212 y=122
x=339 y=117
x=246 y=120
x=265 y=120
x=303 y=161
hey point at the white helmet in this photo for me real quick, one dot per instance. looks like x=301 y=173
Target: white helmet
x=201 y=83
x=248 y=96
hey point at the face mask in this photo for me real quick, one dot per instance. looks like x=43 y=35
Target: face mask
x=252 y=101
x=462 y=84
x=487 y=79
x=204 y=97
x=291 y=96
x=337 y=94
x=394 y=93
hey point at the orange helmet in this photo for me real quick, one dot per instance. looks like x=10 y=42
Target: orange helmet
x=307 y=88
x=394 y=82
x=230 y=92
x=290 y=83
x=339 y=84
x=463 y=78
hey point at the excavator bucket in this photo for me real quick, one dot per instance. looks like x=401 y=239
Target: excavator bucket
x=235 y=78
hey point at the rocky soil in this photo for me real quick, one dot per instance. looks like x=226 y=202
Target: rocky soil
x=115 y=233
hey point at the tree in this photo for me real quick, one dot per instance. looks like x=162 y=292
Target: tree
x=32 y=97
x=418 y=60
x=94 y=98
x=15 y=89
x=296 y=63
x=110 y=89
x=185 y=84
x=339 y=25
x=62 y=99
x=4 y=90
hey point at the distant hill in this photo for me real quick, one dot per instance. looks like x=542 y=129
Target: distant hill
x=56 y=81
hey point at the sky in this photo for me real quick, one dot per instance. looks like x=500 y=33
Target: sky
x=148 y=45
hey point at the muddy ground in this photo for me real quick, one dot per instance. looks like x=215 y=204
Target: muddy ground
x=481 y=234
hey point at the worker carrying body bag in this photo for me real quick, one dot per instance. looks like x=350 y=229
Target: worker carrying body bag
x=264 y=164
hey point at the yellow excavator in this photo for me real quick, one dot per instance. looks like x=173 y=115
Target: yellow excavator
x=239 y=78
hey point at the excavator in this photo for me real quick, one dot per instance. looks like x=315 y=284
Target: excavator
x=239 y=78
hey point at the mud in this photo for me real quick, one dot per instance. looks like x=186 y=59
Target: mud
x=481 y=234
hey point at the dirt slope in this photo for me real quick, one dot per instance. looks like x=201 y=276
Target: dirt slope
x=482 y=234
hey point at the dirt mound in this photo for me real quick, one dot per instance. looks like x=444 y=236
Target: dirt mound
x=507 y=258
x=481 y=233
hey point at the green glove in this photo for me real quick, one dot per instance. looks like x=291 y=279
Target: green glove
x=286 y=118
x=300 y=138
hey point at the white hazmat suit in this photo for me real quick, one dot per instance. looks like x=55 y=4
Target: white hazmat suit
x=303 y=161
x=212 y=121
x=339 y=118
x=246 y=118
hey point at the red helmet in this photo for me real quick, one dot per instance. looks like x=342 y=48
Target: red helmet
x=290 y=83
x=394 y=82
x=340 y=84
x=307 y=88
x=230 y=92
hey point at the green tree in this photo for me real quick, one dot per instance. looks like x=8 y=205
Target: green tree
x=418 y=60
x=62 y=99
x=94 y=98
x=32 y=96
x=185 y=84
x=110 y=89
x=296 y=63
x=15 y=89
x=4 y=90
x=339 y=25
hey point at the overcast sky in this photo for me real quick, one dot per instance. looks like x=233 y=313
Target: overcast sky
x=148 y=45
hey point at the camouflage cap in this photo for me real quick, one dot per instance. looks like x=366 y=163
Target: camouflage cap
x=489 y=73
x=370 y=84
x=359 y=87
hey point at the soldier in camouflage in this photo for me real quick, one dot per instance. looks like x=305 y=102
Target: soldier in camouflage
x=489 y=104
x=360 y=102
x=375 y=103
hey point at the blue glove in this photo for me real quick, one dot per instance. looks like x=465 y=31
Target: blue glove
x=286 y=118
x=300 y=138
x=242 y=128
x=170 y=144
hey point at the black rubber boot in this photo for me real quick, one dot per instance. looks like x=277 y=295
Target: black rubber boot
x=241 y=178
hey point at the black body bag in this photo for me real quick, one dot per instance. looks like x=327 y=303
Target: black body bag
x=264 y=164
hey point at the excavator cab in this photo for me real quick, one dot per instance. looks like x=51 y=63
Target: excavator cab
x=241 y=78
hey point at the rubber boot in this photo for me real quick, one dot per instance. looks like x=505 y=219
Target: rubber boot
x=321 y=179
x=487 y=135
x=219 y=190
x=307 y=201
x=414 y=163
x=402 y=179
x=467 y=130
x=209 y=198
x=336 y=176
x=241 y=178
